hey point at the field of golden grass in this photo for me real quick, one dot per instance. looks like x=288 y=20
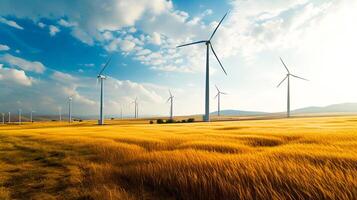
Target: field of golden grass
x=302 y=158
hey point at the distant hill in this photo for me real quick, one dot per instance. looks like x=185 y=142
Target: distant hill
x=239 y=113
x=334 y=108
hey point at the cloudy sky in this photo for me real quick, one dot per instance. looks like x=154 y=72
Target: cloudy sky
x=50 y=50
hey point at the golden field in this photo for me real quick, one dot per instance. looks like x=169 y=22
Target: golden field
x=299 y=158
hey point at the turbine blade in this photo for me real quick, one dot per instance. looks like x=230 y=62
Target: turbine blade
x=218 y=60
x=214 y=32
x=299 y=77
x=168 y=99
x=224 y=93
x=170 y=93
x=217 y=88
x=105 y=66
x=216 y=96
x=283 y=80
x=284 y=65
x=202 y=41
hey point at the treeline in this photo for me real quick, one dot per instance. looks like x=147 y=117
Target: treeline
x=170 y=121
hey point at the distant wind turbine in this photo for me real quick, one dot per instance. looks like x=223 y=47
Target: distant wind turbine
x=31 y=115
x=135 y=102
x=20 y=116
x=208 y=46
x=101 y=77
x=121 y=112
x=9 y=117
x=218 y=95
x=171 y=99
x=70 y=109
x=60 y=113
x=3 y=118
x=288 y=78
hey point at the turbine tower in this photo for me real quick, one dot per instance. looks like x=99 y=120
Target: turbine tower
x=121 y=112
x=20 y=116
x=60 y=113
x=3 y=118
x=70 y=109
x=208 y=46
x=31 y=115
x=101 y=77
x=288 y=78
x=218 y=95
x=171 y=99
x=136 y=105
x=9 y=117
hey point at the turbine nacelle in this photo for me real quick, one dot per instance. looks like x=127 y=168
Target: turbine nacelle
x=101 y=77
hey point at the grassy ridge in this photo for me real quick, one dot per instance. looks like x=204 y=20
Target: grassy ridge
x=305 y=158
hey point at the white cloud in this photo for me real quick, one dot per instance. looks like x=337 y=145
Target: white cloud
x=41 y=25
x=156 y=38
x=89 y=65
x=14 y=76
x=63 y=77
x=26 y=65
x=90 y=17
x=10 y=23
x=4 y=47
x=65 y=23
x=127 y=45
x=54 y=30
x=82 y=36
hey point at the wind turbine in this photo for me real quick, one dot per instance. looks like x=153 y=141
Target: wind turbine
x=3 y=118
x=60 y=113
x=218 y=95
x=101 y=77
x=208 y=46
x=20 y=116
x=70 y=109
x=171 y=99
x=288 y=78
x=31 y=115
x=135 y=102
x=121 y=112
x=9 y=117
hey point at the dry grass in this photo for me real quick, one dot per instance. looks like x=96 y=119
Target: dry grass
x=305 y=158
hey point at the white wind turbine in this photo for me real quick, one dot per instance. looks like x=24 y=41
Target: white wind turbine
x=218 y=95
x=135 y=102
x=9 y=117
x=70 y=109
x=20 y=116
x=208 y=46
x=121 y=112
x=101 y=77
x=171 y=99
x=288 y=78
x=60 y=113
x=31 y=115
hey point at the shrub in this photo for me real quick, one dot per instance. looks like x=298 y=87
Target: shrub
x=112 y=118
x=191 y=120
x=170 y=121
x=151 y=122
x=160 y=121
x=183 y=121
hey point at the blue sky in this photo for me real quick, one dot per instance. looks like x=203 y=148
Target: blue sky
x=50 y=50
